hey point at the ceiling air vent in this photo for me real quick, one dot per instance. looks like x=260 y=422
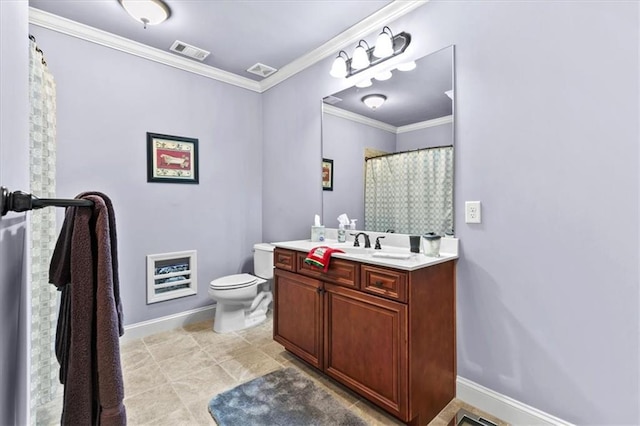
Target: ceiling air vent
x=188 y=50
x=262 y=70
x=331 y=100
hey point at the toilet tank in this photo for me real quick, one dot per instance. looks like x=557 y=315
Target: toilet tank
x=263 y=260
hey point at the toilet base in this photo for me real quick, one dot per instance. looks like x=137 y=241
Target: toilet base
x=231 y=317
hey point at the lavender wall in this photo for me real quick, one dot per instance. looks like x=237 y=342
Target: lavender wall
x=107 y=101
x=14 y=174
x=547 y=138
x=429 y=137
x=344 y=142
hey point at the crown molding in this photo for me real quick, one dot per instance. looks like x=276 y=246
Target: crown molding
x=424 y=124
x=348 y=115
x=375 y=21
x=103 y=38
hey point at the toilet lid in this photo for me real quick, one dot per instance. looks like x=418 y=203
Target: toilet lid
x=233 y=281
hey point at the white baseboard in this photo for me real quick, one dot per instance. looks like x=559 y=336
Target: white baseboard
x=503 y=407
x=146 y=328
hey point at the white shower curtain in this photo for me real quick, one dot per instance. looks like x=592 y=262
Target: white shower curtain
x=410 y=192
x=42 y=134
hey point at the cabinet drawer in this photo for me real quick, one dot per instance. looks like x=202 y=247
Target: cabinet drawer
x=385 y=282
x=284 y=259
x=342 y=272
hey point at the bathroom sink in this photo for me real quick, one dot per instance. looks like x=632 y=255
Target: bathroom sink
x=356 y=250
x=385 y=252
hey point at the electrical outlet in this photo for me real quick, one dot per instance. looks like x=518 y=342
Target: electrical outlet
x=472 y=212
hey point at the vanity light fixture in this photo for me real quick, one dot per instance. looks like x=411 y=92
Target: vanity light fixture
x=364 y=83
x=365 y=57
x=149 y=12
x=374 y=101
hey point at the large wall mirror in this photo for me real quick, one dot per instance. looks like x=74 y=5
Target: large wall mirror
x=393 y=163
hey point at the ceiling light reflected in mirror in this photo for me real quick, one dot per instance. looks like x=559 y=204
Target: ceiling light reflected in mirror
x=374 y=101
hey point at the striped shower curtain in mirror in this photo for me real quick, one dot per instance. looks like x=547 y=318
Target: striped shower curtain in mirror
x=42 y=134
x=410 y=192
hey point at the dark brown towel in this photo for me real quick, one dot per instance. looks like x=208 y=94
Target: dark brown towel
x=84 y=267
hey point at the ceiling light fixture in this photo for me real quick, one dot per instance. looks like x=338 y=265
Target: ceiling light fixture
x=149 y=12
x=365 y=57
x=374 y=101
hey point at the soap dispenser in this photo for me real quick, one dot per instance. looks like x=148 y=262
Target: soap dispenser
x=342 y=235
x=353 y=224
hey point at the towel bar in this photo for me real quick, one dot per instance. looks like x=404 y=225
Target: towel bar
x=19 y=201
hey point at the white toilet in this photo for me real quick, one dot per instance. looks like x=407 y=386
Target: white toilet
x=239 y=305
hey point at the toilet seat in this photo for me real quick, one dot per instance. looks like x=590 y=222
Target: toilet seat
x=233 y=281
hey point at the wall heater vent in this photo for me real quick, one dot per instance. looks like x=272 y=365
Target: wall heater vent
x=171 y=275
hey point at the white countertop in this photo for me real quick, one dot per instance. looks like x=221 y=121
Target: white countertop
x=448 y=251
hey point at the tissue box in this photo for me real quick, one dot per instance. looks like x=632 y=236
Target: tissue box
x=317 y=234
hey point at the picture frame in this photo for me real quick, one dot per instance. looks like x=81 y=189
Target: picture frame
x=172 y=159
x=327 y=174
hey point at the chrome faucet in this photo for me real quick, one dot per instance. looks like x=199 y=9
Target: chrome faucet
x=367 y=242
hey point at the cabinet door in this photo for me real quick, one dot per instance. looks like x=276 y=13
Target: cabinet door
x=366 y=346
x=297 y=318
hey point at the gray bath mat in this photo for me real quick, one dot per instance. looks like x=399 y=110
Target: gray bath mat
x=285 y=397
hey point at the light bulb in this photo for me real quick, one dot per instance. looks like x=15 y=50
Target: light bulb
x=384 y=44
x=360 y=57
x=339 y=68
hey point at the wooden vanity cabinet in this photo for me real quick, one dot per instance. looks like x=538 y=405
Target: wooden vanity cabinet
x=297 y=325
x=365 y=346
x=387 y=334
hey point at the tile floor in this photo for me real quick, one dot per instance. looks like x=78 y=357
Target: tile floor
x=170 y=377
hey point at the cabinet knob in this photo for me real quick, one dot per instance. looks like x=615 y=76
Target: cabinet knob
x=378 y=283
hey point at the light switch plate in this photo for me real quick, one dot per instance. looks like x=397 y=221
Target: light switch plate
x=472 y=212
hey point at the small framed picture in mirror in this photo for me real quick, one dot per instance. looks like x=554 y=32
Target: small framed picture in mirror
x=327 y=174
